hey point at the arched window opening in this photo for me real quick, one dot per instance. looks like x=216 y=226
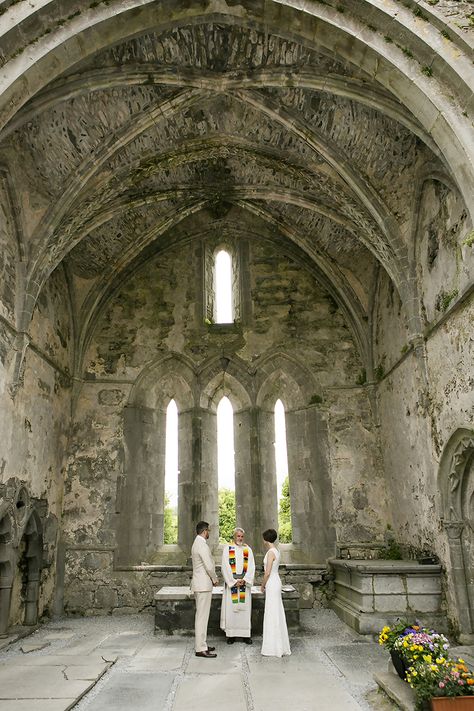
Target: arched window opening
x=170 y=523
x=282 y=477
x=226 y=469
x=223 y=283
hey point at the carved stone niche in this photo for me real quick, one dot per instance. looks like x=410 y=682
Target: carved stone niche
x=21 y=551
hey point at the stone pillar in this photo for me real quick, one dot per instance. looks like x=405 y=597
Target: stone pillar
x=207 y=474
x=186 y=484
x=268 y=479
x=32 y=595
x=454 y=530
x=310 y=484
x=5 y=599
x=247 y=475
x=142 y=496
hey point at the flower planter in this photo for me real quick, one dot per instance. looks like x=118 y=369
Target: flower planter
x=399 y=664
x=453 y=703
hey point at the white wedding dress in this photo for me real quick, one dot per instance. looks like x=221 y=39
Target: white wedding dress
x=275 y=633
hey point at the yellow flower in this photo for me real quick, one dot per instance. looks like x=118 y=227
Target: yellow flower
x=414 y=673
x=433 y=667
x=440 y=660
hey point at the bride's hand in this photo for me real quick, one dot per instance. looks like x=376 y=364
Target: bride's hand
x=262 y=587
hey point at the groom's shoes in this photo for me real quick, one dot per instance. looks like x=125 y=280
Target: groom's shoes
x=230 y=640
x=248 y=640
x=211 y=649
x=207 y=654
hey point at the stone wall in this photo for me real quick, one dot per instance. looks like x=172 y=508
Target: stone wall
x=151 y=317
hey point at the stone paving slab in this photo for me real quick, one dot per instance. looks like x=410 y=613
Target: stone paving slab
x=301 y=691
x=146 y=692
x=352 y=660
x=228 y=661
x=58 y=660
x=38 y=705
x=212 y=693
x=19 y=682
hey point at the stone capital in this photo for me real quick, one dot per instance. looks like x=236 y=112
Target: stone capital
x=453 y=529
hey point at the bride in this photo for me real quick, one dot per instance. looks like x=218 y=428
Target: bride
x=275 y=633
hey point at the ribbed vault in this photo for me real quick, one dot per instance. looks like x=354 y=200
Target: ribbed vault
x=146 y=125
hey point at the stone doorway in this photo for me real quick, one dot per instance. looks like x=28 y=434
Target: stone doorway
x=457 y=488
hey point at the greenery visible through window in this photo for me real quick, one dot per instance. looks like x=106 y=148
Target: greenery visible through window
x=170 y=532
x=170 y=523
x=284 y=514
x=226 y=515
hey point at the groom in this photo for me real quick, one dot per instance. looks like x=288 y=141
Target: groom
x=204 y=578
x=238 y=571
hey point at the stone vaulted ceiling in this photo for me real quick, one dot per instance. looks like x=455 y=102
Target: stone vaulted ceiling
x=212 y=125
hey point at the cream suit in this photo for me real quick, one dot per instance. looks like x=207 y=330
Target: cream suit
x=204 y=573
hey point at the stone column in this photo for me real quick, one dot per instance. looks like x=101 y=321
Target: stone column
x=186 y=484
x=454 y=530
x=5 y=599
x=268 y=479
x=310 y=484
x=207 y=474
x=142 y=496
x=247 y=475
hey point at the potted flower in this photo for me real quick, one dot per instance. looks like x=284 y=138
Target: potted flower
x=442 y=684
x=388 y=637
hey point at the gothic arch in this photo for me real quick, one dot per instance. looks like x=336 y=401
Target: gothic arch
x=456 y=485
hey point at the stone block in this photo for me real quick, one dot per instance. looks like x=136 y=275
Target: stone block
x=390 y=603
x=388 y=585
x=426 y=584
x=424 y=603
x=306 y=595
x=106 y=597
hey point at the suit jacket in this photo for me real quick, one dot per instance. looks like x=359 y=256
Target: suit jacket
x=204 y=570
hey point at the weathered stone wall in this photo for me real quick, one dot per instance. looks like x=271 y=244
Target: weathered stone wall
x=34 y=424
x=425 y=393
x=155 y=313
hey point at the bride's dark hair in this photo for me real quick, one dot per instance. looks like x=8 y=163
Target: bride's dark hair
x=270 y=535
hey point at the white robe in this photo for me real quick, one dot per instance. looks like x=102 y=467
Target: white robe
x=236 y=617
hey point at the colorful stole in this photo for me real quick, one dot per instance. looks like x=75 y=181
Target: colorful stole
x=238 y=594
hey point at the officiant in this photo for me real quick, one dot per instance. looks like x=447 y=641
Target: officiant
x=238 y=571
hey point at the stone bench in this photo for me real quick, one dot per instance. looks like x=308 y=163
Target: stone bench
x=174 y=610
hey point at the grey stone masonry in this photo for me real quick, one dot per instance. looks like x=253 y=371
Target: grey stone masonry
x=174 y=609
x=369 y=594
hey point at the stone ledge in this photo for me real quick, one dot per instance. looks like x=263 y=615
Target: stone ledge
x=397 y=690
x=183 y=592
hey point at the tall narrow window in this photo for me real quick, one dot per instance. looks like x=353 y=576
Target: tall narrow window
x=283 y=482
x=226 y=469
x=170 y=525
x=223 y=276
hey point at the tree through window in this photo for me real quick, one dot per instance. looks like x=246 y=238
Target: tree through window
x=170 y=523
x=283 y=481
x=226 y=469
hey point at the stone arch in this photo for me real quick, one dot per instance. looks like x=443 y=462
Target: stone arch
x=33 y=537
x=456 y=485
x=278 y=373
x=169 y=377
x=6 y=571
x=141 y=489
x=281 y=377
x=228 y=377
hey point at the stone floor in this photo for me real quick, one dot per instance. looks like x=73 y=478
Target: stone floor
x=115 y=664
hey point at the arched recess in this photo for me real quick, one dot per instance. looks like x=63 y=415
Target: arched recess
x=33 y=554
x=6 y=571
x=227 y=376
x=456 y=485
x=281 y=377
x=141 y=495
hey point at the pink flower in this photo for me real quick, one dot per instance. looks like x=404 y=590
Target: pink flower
x=441 y=684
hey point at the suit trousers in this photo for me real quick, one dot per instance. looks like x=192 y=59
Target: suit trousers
x=203 y=608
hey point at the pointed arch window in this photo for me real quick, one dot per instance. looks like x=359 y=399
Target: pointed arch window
x=223 y=287
x=226 y=469
x=170 y=513
x=282 y=474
